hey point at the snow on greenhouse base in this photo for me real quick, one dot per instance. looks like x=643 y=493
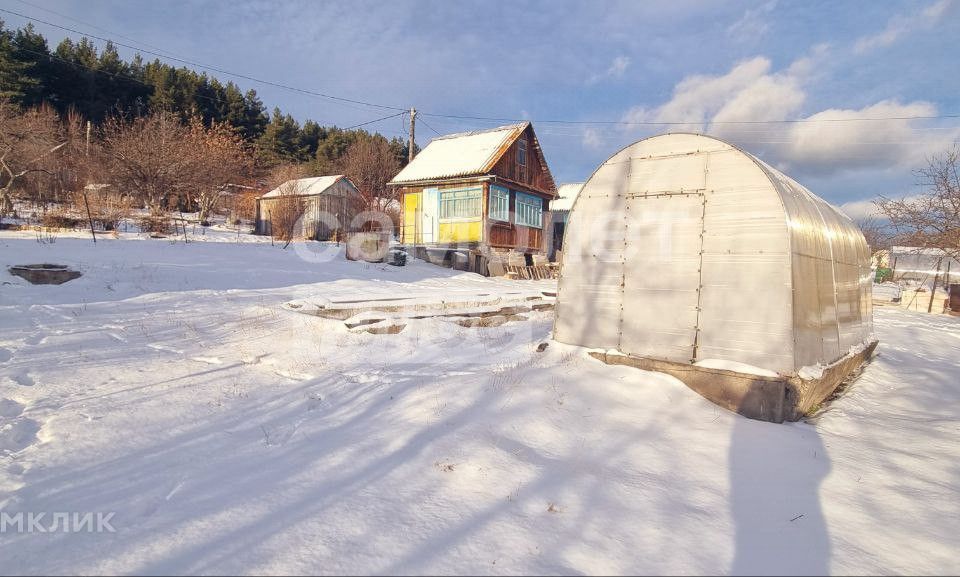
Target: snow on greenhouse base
x=736 y=367
x=168 y=385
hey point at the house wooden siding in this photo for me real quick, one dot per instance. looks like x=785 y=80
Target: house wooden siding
x=535 y=176
x=511 y=235
x=533 y=179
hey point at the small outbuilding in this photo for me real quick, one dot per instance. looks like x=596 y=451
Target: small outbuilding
x=686 y=255
x=322 y=207
x=921 y=265
x=559 y=213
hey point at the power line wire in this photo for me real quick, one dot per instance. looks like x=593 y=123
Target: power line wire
x=65 y=16
x=686 y=123
x=114 y=33
x=474 y=117
x=208 y=67
x=424 y=122
x=110 y=74
x=373 y=121
x=148 y=85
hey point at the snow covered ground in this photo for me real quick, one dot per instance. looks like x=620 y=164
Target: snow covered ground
x=227 y=434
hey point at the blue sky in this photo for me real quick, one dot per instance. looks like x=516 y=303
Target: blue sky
x=707 y=64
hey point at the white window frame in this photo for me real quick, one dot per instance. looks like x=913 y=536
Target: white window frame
x=457 y=199
x=499 y=203
x=529 y=210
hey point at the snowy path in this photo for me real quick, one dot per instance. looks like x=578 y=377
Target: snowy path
x=230 y=435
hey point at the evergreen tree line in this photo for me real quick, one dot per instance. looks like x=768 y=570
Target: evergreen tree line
x=78 y=78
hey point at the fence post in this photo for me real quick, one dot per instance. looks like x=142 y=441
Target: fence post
x=89 y=217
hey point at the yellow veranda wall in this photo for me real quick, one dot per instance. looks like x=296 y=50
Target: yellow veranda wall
x=461 y=231
x=455 y=231
x=449 y=232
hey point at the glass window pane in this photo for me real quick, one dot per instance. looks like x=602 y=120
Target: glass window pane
x=460 y=203
x=499 y=203
x=529 y=210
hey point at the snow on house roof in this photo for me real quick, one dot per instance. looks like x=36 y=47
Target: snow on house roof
x=462 y=154
x=567 y=193
x=305 y=186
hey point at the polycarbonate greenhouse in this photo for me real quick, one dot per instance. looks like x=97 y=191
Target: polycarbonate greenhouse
x=683 y=248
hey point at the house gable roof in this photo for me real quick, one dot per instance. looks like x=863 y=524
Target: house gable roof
x=462 y=154
x=308 y=186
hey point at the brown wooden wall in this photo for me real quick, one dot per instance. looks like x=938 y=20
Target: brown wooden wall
x=500 y=234
x=535 y=175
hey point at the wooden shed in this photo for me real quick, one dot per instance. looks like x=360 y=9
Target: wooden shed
x=324 y=204
x=559 y=214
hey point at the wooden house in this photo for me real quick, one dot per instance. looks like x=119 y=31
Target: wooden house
x=477 y=193
x=322 y=207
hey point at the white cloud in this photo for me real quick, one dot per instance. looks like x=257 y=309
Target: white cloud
x=770 y=97
x=860 y=209
x=618 y=66
x=838 y=139
x=592 y=138
x=866 y=209
x=749 y=91
x=828 y=141
x=616 y=69
x=753 y=25
x=902 y=25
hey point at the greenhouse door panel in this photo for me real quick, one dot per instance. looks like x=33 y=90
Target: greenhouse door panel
x=661 y=280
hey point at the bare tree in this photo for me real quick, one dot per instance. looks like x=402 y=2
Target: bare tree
x=243 y=203
x=221 y=157
x=286 y=210
x=932 y=218
x=875 y=232
x=370 y=163
x=67 y=170
x=147 y=157
x=26 y=138
x=165 y=162
x=106 y=206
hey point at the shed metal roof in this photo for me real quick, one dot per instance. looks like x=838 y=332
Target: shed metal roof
x=305 y=186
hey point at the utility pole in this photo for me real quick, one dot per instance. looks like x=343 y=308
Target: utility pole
x=413 y=130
